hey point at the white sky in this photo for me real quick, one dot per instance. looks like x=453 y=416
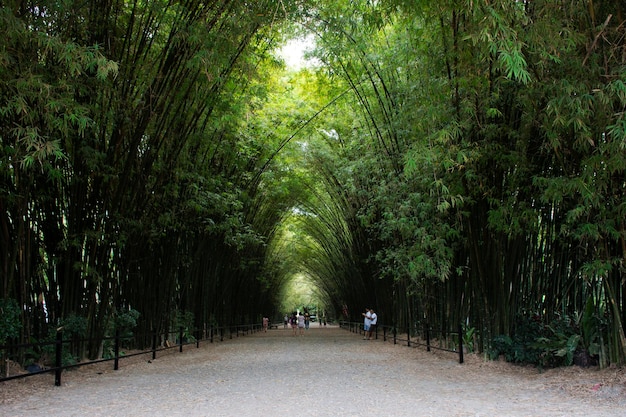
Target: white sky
x=293 y=52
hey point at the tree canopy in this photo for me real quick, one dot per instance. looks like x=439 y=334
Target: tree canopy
x=447 y=162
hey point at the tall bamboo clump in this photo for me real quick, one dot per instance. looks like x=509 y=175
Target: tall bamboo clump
x=507 y=119
x=124 y=172
x=535 y=102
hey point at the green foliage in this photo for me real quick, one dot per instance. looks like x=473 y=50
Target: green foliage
x=10 y=320
x=74 y=326
x=557 y=349
x=591 y=324
x=541 y=345
x=447 y=157
x=184 y=319
x=502 y=345
x=73 y=329
x=127 y=320
x=123 y=324
x=468 y=335
x=520 y=347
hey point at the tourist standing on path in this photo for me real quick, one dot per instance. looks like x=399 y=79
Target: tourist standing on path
x=266 y=322
x=373 y=323
x=366 y=322
x=301 y=324
x=286 y=320
x=307 y=320
x=294 y=323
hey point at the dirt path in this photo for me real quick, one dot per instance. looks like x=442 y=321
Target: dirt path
x=327 y=372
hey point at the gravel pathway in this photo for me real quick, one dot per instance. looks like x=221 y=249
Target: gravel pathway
x=326 y=372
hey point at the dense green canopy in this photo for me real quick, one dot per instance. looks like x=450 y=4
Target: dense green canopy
x=446 y=162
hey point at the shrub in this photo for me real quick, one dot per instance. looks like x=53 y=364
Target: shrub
x=538 y=344
x=10 y=324
x=185 y=320
x=74 y=327
x=124 y=322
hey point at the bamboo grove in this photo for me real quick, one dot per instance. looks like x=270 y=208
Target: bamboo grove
x=443 y=161
x=129 y=182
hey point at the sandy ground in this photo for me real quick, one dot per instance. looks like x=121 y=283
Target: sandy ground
x=326 y=372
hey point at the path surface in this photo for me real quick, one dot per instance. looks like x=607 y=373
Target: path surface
x=327 y=372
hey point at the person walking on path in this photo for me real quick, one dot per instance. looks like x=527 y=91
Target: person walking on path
x=307 y=320
x=367 y=320
x=373 y=323
x=286 y=320
x=301 y=324
x=266 y=322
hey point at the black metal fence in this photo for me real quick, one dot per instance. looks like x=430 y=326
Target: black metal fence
x=390 y=333
x=209 y=334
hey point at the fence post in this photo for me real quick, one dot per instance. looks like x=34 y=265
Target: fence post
x=154 y=344
x=460 y=343
x=116 y=349
x=58 y=358
x=427 y=331
x=180 y=339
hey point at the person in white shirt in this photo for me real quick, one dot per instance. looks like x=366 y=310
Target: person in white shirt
x=373 y=323
x=367 y=321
